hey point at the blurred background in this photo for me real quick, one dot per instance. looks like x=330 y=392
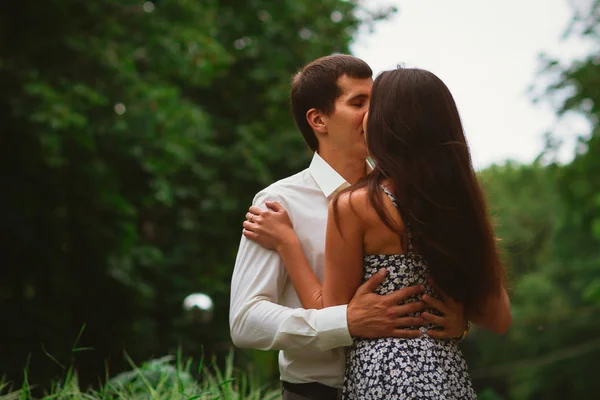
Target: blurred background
x=134 y=135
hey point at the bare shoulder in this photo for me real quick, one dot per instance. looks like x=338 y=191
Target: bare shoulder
x=351 y=203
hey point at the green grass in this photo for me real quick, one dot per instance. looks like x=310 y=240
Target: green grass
x=164 y=378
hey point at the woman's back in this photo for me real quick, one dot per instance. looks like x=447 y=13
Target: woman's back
x=416 y=140
x=408 y=368
x=378 y=237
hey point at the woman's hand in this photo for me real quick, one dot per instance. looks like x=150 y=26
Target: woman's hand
x=271 y=228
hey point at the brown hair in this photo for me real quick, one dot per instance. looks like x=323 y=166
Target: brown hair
x=315 y=86
x=415 y=136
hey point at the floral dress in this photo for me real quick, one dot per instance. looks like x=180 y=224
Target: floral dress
x=394 y=368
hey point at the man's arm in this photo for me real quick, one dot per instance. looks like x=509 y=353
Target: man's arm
x=368 y=315
x=255 y=318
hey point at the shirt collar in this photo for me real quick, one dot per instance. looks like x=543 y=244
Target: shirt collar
x=327 y=178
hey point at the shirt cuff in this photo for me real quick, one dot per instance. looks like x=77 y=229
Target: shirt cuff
x=332 y=327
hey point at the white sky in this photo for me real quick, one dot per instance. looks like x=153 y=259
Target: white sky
x=486 y=51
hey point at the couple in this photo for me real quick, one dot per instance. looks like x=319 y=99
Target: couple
x=377 y=269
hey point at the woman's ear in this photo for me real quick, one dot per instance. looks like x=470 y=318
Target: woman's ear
x=316 y=121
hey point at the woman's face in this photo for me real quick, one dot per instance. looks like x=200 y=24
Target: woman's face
x=364 y=124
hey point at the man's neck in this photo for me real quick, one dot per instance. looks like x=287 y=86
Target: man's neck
x=351 y=169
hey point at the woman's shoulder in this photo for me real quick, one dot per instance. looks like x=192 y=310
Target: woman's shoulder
x=352 y=201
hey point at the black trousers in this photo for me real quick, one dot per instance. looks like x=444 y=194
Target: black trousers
x=309 y=391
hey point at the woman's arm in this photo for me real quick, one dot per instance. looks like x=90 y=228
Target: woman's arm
x=273 y=230
x=495 y=315
x=307 y=285
x=343 y=260
x=343 y=253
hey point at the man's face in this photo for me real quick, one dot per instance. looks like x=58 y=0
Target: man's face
x=345 y=133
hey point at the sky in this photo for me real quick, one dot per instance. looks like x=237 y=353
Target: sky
x=487 y=54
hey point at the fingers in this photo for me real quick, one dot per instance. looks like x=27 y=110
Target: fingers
x=373 y=282
x=249 y=234
x=406 y=322
x=408 y=308
x=436 y=319
x=249 y=226
x=435 y=303
x=447 y=299
x=439 y=334
x=402 y=294
x=256 y=210
x=453 y=305
x=251 y=216
x=255 y=214
x=406 y=333
x=275 y=206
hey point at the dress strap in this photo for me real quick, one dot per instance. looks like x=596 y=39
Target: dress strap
x=395 y=202
x=390 y=195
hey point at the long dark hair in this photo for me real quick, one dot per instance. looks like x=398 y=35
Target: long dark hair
x=416 y=139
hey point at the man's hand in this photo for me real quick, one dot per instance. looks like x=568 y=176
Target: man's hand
x=373 y=316
x=452 y=321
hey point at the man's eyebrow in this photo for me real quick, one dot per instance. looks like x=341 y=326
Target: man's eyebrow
x=361 y=96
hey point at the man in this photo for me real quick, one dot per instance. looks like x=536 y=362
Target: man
x=330 y=97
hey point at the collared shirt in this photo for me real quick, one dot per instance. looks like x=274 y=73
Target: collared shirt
x=265 y=312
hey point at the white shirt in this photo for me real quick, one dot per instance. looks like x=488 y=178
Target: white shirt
x=265 y=312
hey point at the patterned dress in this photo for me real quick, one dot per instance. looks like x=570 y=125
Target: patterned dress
x=394 y=368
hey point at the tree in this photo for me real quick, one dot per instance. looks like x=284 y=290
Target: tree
x=525 y=207
x=137 y=133
x=552 y=350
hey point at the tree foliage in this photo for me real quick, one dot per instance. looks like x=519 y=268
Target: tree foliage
x=550 y=215
x=134 y=136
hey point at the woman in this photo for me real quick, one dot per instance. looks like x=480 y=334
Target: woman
x=421 y=214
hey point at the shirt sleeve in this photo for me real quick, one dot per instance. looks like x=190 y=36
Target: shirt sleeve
x=256 y=319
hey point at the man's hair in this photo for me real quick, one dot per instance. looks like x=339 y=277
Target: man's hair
x=315 y=86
